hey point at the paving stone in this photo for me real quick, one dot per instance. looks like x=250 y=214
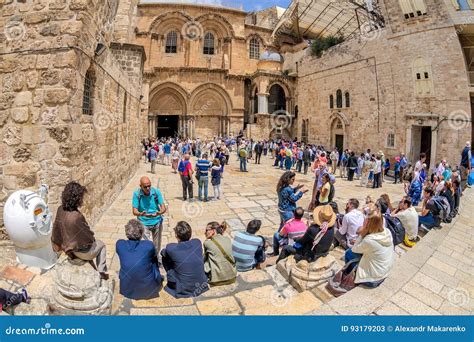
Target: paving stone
x=163 y=300
x=17 y=275
x=428 y=282
x=412 y=305
x=423 y=294
x=267 y=300
x=390 y=309
x=169 y=311
x=219 y=291
x=37 y=307
x=219 y=306
x=254 y=276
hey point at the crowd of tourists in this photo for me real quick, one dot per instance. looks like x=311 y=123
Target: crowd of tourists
x=368 y=232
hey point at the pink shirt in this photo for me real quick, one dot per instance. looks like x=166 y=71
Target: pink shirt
x=293 y=229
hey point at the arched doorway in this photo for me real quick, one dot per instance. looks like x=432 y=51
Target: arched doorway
x=337 y=134
x=167 y=107
x=276 y=99
x=210 y=107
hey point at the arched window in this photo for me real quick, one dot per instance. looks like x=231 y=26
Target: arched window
x=208 y=44
x=87 y=97
x=331 y=101
x=339 y=98
x=254 y=48
x=348 y=99
x=276 y=99
x=171 y=42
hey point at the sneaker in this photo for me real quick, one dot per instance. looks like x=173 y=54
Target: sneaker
x=26 y=299
x=425 y=228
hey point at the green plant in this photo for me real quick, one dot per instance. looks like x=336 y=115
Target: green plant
x=319 y=45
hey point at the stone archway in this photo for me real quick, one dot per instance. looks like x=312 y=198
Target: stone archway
x=210 y=107
x=167 y=109
x=338 y=136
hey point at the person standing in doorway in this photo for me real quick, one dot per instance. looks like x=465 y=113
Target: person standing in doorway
x=185 y=170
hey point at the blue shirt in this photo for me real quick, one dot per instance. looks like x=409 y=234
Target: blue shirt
x=150 y=204
x=397 y=167
x=203 y=166
x=403 y=162
x=139 y=275
x=167 y=148
x=152 y=154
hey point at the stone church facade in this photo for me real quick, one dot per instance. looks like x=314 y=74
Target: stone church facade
x=83 y=81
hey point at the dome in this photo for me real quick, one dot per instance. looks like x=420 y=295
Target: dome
x=271 y=56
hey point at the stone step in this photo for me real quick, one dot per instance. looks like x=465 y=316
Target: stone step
x=322 y=293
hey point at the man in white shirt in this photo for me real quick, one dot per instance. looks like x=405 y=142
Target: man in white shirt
x=346 y=235
x=408 y=216
x=419 y=163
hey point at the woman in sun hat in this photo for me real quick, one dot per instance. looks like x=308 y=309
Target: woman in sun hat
x=317 y=240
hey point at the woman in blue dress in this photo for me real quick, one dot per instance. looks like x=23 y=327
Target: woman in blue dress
x=414 y=191
x=288 y=196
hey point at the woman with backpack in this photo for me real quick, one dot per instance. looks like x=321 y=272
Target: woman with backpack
x=373 y=251
x=219 y=264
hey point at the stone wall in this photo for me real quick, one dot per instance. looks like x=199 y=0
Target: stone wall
x=46 y=138
x=379 y=72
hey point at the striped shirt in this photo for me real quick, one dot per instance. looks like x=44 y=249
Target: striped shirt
x=203 y=165
x=244 y=247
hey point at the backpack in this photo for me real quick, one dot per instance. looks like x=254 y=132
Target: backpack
x=443 y=207
x=182 y=166
x=396 y=228
x=153 y=193
x=243 y=153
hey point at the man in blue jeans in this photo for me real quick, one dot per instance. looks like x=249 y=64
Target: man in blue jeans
x=429 y=214
x=202 y=169
x=243 y=158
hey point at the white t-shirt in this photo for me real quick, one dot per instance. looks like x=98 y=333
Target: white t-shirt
x=351 y=223
x=409 y=220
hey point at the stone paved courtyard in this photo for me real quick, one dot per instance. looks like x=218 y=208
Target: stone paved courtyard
x=435 y=277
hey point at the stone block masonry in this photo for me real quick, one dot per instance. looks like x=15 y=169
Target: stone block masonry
x=48 y=48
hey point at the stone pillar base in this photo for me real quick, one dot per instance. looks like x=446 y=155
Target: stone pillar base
x=304 y=276
x=78 y=290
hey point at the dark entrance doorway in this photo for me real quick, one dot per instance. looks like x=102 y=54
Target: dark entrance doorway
x=339 y=142
x=167 y=126
x=426 y=143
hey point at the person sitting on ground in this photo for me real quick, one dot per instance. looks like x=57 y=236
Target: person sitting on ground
x=184 y=264
x=248 y=249
x=408 y=216
x=448 y=193
x=352 y=221
x=9 y=299
x=414 y=191
x=219 y=264
x=139 y=275
x=291 y=231
x=317 y=240
x=373 y=250
x=71 y=232
x=429 y=217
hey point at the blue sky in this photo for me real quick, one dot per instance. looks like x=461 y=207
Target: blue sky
x=248 y=5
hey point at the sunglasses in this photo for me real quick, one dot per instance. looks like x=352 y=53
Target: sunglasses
x=146 y=186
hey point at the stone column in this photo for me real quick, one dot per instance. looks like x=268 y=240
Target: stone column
x=408 y=141
x=263 y=103
x=434 y=145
